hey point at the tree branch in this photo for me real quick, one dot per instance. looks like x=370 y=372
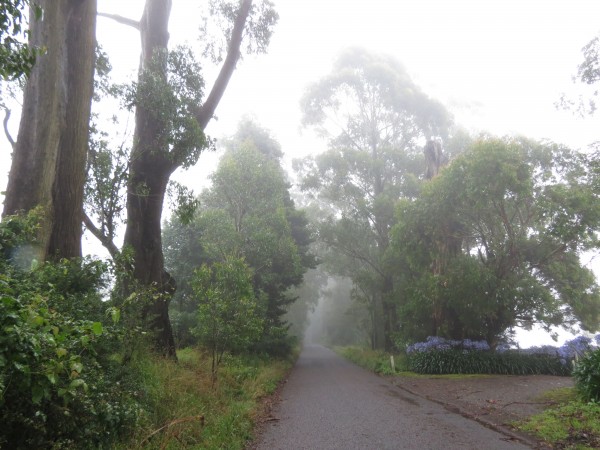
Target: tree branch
x=207 y=110
x=122 y=20
x=106 y=241
x=6 y=132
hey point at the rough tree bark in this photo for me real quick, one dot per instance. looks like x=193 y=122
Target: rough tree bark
x=151 y=167
x=48 y=166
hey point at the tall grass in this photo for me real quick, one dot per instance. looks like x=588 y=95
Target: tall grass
x=375 y=360
x=184 y=410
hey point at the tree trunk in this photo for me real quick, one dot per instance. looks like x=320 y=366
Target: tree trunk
x=48 y=166
x=151 y=167
x=65 y=239
x=149 y=174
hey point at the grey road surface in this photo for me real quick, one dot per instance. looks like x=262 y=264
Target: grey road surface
x=329 y=403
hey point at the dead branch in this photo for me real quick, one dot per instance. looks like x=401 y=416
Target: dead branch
x=122 y=20
x=5 y=123
x=173 y=423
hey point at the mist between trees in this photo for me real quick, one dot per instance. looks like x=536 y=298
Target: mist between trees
x=407 y=225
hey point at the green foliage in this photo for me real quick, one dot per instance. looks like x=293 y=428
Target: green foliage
x=588 y=73
x=228 y=316
x=58 y=385
x=374 y=116
x=575 y=425
x=185 y=411
x=479 y=362
x=16 y=57
x=248 y=213
x=216 y=33
x=493 y=243
x=587 y=376
x=374 y=360
x=172 y=89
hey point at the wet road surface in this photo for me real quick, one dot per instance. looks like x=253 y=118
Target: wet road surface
x=330 y=403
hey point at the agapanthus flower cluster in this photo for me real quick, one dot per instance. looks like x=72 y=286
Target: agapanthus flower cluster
x=569 y=351
x=439 y=343
x=575 y=347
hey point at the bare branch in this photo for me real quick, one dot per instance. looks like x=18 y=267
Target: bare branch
x=6 y=132
x=122 y=20
x=233 y=54
x=106 y=241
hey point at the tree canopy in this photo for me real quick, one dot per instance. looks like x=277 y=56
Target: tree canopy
x=247 y=213
x=502 y=228
x=375 y=118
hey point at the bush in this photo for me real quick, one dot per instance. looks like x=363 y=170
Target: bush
x=60 y=386
x=454 y=361
x=587 y=376
x=438 y=355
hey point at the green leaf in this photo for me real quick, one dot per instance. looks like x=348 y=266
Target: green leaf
x=78 y=382
x=51 y=377
x=76 y=366
x=37 y=393
x=60 y=352
x=115 y=314
x=97 y=328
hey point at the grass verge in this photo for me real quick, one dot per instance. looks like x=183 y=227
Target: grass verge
x=185 y=411
x=374 y=360
x=571 y=424
x=379 y=362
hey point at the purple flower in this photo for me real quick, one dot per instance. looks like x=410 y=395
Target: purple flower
x=575 y=347
x=437 y=343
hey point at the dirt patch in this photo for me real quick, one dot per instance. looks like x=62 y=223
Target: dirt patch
x=495 y=400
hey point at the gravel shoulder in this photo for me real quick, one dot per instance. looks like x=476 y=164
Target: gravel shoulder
x=493 y=400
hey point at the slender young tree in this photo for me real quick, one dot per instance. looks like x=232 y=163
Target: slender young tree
x=48 y=166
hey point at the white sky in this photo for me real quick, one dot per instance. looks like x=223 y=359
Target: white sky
x=498 y=65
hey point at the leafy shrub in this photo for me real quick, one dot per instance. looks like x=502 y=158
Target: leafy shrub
x=440 y=355
x=587 y=376
x=59 y=385
x=469 y=362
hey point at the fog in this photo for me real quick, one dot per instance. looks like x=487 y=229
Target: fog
x=498 y=65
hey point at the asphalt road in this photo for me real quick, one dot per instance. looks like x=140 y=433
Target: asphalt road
x=330 y=403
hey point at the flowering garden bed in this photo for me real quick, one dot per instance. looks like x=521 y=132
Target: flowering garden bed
x=443 y=356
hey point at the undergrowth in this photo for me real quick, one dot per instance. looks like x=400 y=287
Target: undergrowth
x=184 y=410
x=374 y=360
x=574 y=425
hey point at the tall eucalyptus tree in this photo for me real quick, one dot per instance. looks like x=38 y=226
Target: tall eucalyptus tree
x=376 y=120
x=171 y=115
x=48 y=165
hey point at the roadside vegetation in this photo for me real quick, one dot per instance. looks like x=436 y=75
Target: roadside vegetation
x=377 y=361
x=575 y=422
x=76 y=368
x=572 y=425
x=411 y=231
x=185 y=409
